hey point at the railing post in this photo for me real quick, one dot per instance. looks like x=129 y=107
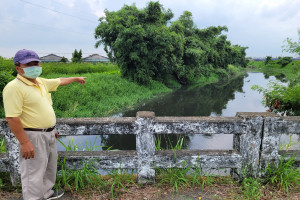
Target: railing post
x=249 y=144
x=145 y=146
x=270 y=142
x=12 y=152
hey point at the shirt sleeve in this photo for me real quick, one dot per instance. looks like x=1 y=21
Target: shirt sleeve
x=12 y=101
x=52 y=84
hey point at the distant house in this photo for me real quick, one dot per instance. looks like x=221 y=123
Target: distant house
x=51 y=58
x=95 y=58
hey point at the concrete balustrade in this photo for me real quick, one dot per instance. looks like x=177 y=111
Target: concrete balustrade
x=255 y=143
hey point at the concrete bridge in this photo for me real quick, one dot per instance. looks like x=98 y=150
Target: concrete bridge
x=256 y=143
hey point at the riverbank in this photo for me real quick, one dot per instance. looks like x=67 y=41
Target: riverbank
x=106 y=94
x=280 y=98
x=290 y=72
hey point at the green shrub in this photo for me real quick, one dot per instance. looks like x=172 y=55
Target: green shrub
x=284 y=61
x=268 y=59
x=6 y=74
x=222 y=74
x=284 y=175
x=280 y=98
x=251 y=188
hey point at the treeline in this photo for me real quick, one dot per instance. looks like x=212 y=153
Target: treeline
x=282 y=61
x=148 y=46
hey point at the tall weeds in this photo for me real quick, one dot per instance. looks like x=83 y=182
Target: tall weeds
x=284 y=175
x=2 y=145
x=85 y=177
x=119 y=179
x=182 y=177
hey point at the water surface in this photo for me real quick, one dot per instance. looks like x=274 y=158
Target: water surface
x=218 y=99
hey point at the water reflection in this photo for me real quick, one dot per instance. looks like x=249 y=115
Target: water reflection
x=199 y=101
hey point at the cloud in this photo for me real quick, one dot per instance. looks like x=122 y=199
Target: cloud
x=262 y=25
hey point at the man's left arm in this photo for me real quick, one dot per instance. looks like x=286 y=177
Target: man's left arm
x=66 y=81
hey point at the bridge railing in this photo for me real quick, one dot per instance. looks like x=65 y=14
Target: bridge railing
x=256 y=138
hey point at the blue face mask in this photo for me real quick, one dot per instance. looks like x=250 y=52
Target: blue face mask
x=32 y=72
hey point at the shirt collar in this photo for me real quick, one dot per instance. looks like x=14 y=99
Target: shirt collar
x=26 y=81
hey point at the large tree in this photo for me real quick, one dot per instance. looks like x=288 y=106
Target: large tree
x=140 y=41
x=292 y=47
x=77 y=56
x=148 y=46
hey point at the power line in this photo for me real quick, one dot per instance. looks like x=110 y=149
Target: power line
x=45 y=26
x=73 y=8
x=57 y=11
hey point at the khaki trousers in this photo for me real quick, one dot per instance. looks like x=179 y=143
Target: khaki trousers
x=38 y=174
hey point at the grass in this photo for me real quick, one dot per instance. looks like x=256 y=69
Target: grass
x=118 y=179
x=290 y=71
x=79 y=68
x=78 y=179
x=183 y=177
x=251 y=188
x=102 y=95
x=284 y=175
x=86 y=176
x=2 y=145
x=175 y=177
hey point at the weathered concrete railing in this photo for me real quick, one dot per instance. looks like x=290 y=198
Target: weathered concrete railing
x=256 y=142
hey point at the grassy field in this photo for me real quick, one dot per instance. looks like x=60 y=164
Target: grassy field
x=290 y=72
x=105 y=92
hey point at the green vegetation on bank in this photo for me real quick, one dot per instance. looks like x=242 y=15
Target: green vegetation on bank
x=291 y=71
x=280 y=98
x=106 y=92
x=102 y=95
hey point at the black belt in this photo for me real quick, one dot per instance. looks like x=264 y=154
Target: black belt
x=40 y=129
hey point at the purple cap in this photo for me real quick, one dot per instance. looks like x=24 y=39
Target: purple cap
x=25 y=56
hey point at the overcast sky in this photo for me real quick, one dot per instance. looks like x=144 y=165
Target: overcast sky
x=61 y=26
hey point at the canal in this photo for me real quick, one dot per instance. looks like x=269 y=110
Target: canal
x=217 y=99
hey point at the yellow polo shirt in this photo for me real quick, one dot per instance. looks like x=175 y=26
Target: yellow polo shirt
x=31 y=103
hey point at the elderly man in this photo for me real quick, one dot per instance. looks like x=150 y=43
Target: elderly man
x=31 y=118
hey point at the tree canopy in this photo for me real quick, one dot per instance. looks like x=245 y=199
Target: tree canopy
x=77 y=56
x=292 y=47
x=148 y=46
